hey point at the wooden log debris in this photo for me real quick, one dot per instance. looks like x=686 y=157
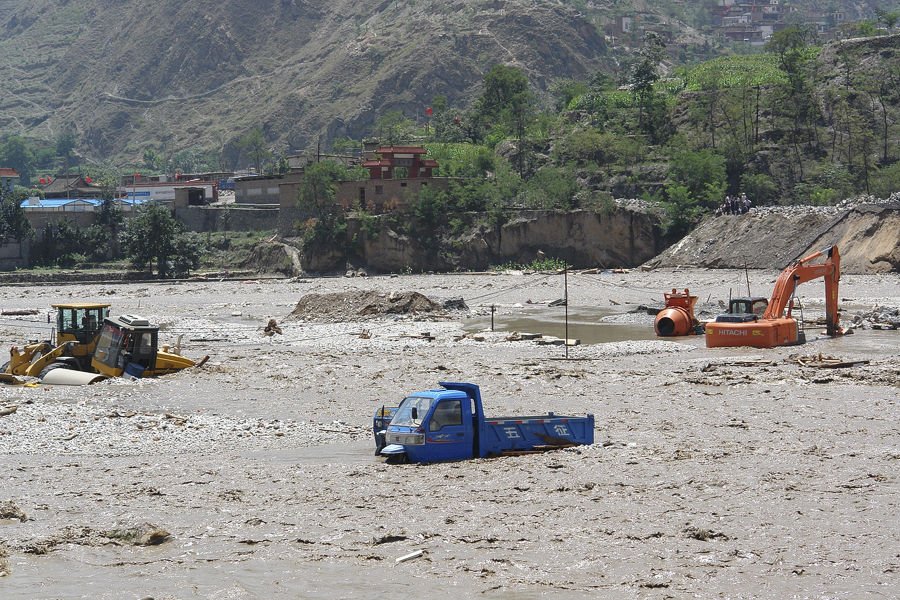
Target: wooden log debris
x=820 y=361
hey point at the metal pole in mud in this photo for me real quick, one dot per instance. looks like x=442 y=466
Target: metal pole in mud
x=566 y=304
x=747 y=275
x=493 y=309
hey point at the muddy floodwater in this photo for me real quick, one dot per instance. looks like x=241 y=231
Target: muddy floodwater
x=715 y=473
x=588 y=325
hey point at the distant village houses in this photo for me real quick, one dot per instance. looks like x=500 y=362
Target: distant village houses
x=751 y=21
x=8 y=179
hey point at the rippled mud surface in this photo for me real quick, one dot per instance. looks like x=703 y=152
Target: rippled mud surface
x=723 y=473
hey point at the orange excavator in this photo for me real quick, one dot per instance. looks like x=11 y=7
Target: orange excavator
x=775 y=328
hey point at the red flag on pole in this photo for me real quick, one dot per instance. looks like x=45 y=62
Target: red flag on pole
x=428 y=111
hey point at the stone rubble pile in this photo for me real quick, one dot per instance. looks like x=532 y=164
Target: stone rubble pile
x=843 y=206
x=880 y=317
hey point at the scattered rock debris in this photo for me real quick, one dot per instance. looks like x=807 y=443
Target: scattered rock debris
x=272 y=328
x=9 y=510
x=880 y=317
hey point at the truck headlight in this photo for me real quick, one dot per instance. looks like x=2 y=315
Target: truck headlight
x=405 y=439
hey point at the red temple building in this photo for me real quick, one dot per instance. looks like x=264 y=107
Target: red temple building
x=409 y=157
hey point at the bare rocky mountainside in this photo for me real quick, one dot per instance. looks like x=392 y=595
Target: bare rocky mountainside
x=203 y=73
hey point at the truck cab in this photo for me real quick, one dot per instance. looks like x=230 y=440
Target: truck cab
x=433 y=425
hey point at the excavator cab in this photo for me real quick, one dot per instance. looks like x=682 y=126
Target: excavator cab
x=744 y=310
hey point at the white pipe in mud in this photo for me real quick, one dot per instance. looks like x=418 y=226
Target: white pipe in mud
x=70 y=377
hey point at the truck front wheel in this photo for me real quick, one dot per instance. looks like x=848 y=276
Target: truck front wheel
x=397 y=459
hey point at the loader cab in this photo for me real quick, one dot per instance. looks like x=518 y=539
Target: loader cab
x=79 y=322
x=744 y=310
x=126 y=344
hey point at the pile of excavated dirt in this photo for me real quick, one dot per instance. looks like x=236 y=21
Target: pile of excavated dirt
x=360 y=305
x=864 y=229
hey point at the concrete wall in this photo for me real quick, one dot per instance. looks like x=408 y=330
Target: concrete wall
x=375 y=195
x=39 y=219
x=234 y=218
x=261 y=190
x=384 y=195
x=14 y=255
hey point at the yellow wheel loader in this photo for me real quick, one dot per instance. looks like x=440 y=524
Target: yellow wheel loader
x=77 y=328
x=91 y=345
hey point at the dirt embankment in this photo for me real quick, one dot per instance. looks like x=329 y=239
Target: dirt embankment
x=623 y=237
x=865 y=230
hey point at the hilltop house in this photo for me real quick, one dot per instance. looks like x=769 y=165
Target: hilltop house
x=8 y=179
x=396 y=174
x=76 y=186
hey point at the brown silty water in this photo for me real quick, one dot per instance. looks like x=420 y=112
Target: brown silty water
x=775 y=480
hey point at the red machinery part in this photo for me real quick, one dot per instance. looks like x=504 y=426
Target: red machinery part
x=677 y=318
x=673 y=321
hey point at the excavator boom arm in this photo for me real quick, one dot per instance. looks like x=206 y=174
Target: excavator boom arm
x=801 y=272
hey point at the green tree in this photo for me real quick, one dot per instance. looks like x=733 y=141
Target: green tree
x=681 y=212
x=886 y=181
x=795 y=102
x=65 y=144
x=392 y=128
x=760 y=188
x=153 y=161
x=505 y=89
x=345 y=145
x=253 y=145
x=505 y=106
x=551 y=187
x=197 y=159
x=13 y=223
x=154 y=235
x=697 y=171
x=586 y=146
x=644 y=74
x=323 y=220
x=16 y=153
x=889 y=18
x=566 y=90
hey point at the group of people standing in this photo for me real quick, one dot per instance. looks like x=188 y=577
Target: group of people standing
x=734 y=205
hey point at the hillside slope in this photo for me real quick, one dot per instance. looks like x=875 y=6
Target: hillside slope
x=179 y=74
x=772 y=237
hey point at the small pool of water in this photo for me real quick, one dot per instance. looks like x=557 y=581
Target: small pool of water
x=585 y=324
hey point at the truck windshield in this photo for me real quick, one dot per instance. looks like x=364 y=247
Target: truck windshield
x=404 y=416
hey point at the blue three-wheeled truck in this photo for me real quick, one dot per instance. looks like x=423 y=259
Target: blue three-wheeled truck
x=449 y=424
